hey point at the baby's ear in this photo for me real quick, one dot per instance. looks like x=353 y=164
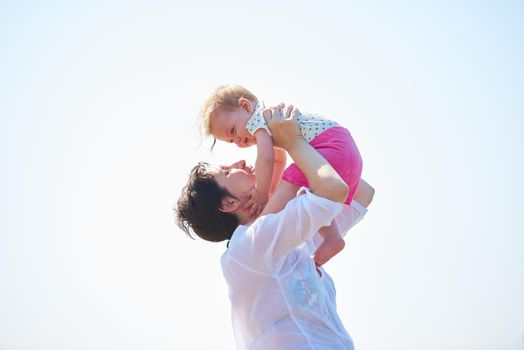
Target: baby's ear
x=229 y=204
x=246 y=104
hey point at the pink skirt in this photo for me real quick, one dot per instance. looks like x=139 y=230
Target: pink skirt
x=338 y=147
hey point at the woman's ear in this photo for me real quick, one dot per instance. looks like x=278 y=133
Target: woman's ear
x=244 y=103
x=229 y=204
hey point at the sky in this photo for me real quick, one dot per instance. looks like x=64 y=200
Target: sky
x=98 y=133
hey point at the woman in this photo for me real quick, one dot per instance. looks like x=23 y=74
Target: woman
x=280 y=300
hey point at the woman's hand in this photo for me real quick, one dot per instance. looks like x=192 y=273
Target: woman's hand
x=322 y=178
x=283 y=125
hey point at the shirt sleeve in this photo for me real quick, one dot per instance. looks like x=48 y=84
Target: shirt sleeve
x=272 y=236
x=349 y=216
x=257 y=122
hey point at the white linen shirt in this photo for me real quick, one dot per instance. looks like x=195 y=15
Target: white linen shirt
x=278 y=300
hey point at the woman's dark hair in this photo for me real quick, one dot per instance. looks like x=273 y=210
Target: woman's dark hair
x=197 y=208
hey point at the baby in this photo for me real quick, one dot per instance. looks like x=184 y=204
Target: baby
x=233 y=114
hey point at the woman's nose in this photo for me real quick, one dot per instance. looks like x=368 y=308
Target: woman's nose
x=240 y=164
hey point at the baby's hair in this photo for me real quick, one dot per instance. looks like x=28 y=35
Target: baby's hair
x=224 y=97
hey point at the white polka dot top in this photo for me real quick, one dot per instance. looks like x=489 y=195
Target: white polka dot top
x=311 y=124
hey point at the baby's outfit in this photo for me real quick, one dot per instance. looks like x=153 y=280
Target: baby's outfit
x=331 y=140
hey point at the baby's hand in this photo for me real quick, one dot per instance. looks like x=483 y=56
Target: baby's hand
x=256 y=201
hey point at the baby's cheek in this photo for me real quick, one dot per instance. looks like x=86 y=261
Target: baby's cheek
x=243 y=133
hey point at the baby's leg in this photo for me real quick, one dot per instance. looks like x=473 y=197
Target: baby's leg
x=332 y=244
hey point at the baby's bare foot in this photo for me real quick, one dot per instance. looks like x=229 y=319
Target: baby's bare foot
x=328 y=249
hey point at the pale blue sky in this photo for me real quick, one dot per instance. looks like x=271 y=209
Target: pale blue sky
x=98 y=134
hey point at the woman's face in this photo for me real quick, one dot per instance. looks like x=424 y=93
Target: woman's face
x=237 y=178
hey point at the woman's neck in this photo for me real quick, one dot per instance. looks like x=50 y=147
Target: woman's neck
x=245 y=217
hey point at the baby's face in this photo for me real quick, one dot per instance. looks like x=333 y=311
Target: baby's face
x=229 y=125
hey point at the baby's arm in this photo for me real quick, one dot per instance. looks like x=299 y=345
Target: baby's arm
x=264 y=162
x=259 y=195
x=284 y=192
x=278 y=168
